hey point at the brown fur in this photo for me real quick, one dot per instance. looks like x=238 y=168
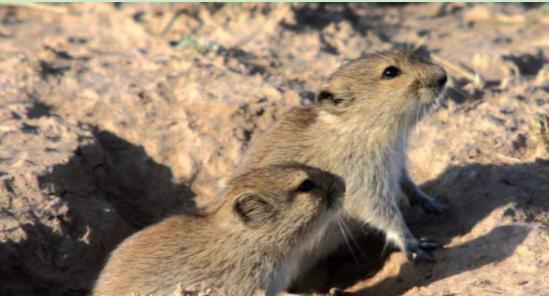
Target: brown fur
x=358 y=130
x=251 y=243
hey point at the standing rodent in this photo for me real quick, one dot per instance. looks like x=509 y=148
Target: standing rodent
x=252 y=243
x=358 y=129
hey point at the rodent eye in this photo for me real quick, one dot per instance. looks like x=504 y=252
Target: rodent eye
x=306 y=186
x=390 y=72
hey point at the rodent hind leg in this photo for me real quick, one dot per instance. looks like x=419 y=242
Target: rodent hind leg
x=417 y=197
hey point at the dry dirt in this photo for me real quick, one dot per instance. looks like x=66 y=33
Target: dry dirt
x=114 y=116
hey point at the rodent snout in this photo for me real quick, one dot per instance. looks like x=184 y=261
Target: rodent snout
x=442 y=80
x=442 y=77
x=434 y=77
x=336 y=191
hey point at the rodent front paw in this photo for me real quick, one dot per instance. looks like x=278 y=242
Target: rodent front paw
x=418 y=250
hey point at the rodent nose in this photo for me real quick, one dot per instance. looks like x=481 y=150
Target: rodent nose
x=336 y=189
x=443 y=79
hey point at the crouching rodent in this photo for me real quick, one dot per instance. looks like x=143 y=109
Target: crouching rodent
x=253 y=242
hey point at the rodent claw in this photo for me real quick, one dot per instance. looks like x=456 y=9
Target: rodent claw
x=423 y=257
x=418 y=251
x=429 y=245
x=336 y=292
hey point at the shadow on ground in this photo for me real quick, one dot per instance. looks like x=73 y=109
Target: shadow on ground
x=472 y=192
x=320 y=15
x=141 y=190
x=109 y=189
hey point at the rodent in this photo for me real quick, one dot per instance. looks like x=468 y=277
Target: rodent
x=251 y=244
x=358 y=129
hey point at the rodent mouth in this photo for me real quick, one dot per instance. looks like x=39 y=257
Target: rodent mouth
x=329 y=203
x=431 y=93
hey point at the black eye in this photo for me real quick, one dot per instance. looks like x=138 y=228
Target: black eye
x=305 y=186
x=390 y=72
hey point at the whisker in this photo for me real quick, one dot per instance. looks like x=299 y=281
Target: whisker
x=436 y=106
x=363 y=230
x=418 y=110
x=384 y=250
x=347 y=241
x=354 y=240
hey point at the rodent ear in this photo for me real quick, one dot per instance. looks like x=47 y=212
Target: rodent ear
x=252 y=209
x=326 y=98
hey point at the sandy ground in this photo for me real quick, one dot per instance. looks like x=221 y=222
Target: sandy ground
x=114 y=116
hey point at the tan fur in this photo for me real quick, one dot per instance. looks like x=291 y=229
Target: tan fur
x=252 y=243
x=359 y=133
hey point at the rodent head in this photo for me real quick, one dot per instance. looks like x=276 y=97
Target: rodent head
x=395 y=81
x=284 y=201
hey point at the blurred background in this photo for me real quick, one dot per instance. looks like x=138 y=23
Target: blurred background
x=113 y=116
